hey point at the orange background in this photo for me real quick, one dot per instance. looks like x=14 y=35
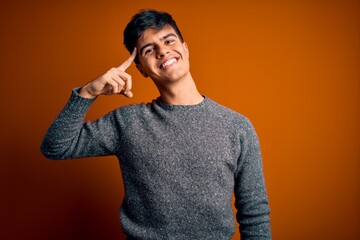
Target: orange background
x=292 y=67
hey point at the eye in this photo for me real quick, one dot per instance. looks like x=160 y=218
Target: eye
x=169 y=41
x=149 y=50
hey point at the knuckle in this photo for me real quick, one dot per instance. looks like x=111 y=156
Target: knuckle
x=112 y=71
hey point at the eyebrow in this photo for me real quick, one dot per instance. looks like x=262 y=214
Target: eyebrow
x=161 y=39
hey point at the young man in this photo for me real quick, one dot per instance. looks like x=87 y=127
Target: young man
x=182 y=156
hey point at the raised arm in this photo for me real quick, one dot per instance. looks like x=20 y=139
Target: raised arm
x=70 y=137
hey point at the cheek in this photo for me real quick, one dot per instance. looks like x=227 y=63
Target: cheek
x=146 y=64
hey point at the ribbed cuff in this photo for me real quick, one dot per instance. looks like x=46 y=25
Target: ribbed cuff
x=78 y=104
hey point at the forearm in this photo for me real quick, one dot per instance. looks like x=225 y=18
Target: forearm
x=253 y=217
x=61 y=139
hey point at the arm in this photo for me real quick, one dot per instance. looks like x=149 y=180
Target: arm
x=251 y=199
x=69 y=137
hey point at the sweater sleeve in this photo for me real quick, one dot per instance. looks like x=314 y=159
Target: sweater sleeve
x=70 y=137
x=251 y=199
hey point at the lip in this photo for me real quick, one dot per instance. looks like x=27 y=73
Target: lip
x=167 y=59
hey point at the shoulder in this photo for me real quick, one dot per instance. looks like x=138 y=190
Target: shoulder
x=227 y=114
x=234 y=122
x=132 y=108
x=133 y=112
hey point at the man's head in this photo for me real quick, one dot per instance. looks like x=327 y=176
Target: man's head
x=162 y=53
x=147 y=19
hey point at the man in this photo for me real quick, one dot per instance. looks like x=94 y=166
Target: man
x=182 y=155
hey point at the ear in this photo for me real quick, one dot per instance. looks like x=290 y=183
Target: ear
x=186 y=48
x=139 y=67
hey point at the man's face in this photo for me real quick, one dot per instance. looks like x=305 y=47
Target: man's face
x=162 y=56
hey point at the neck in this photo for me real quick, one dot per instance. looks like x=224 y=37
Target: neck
x=181 y=93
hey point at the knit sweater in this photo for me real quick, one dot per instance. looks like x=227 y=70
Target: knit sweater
x=180 y=164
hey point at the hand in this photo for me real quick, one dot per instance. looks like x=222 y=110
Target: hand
x=114 y=81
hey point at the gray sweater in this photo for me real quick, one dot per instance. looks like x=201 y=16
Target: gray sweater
x=180 y=165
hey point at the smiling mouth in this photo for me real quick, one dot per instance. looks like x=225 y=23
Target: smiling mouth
x=168 y=63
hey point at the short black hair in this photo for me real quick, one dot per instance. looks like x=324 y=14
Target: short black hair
x=143 y=20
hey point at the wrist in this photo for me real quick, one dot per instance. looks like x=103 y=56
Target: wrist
x=84 y=92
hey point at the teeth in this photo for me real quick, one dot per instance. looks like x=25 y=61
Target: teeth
x=168 y=62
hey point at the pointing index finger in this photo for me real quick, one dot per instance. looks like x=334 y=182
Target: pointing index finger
x=128 y=61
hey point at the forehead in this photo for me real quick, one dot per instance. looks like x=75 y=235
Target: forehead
x=152 y=35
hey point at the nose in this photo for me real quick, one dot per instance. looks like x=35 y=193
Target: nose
x=161 y=51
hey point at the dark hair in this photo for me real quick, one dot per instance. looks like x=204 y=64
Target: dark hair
x=145 y=19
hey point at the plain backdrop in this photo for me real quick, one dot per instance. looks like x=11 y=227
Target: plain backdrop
x=291 y=67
